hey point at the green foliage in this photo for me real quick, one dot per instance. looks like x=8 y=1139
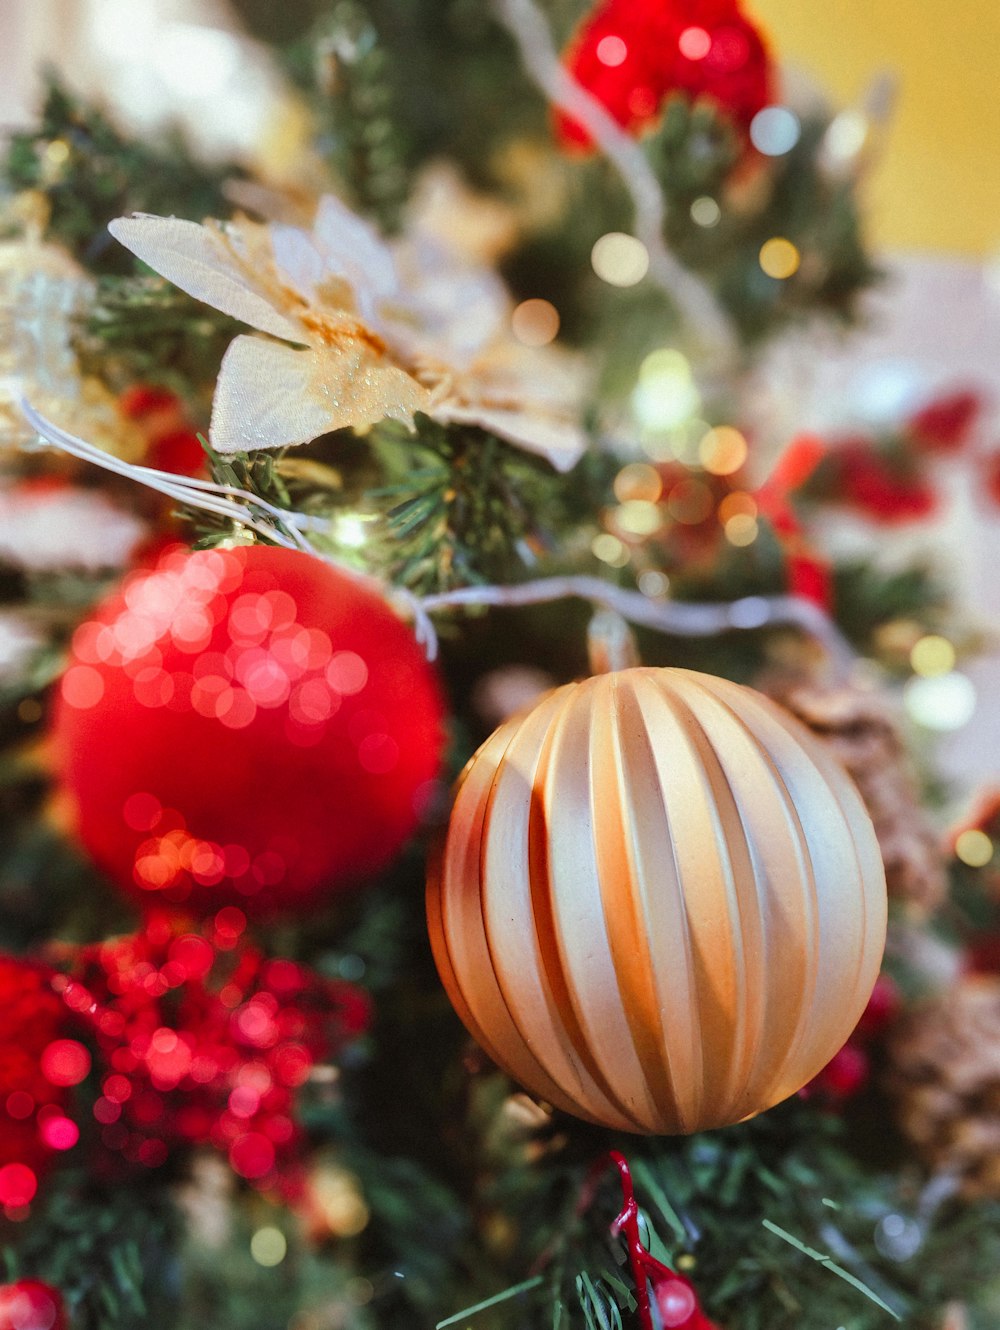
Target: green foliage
x=89 y=173
x=867 y=597
x=110 y=1250
x=348 y=71
x=143 y=330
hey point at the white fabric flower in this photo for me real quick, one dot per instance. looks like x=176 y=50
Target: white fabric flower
x=52 y=529
x=380 y=332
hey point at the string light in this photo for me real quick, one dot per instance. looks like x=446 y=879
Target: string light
x=932 y=655
x=268 y=1246
x=638 y=517
x=610 y=550
x=974 y=848
x=694 y=43
x=665 y=396
x=845 y=135
x=737 y=504
x=723 y=450
x=774 y=130
x=942 y=702
x=653 y=584
x=779 y=258
x=705 y=211
x=741 y=530
x=612 y=51
x=535 y=322
x=690 y=502
x=620 y=259
x=638 y=480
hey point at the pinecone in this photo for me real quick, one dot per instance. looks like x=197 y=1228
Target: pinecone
x=861 y=732
x=944 y=1073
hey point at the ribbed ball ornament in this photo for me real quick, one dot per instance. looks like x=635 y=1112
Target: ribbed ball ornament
x=660 y=904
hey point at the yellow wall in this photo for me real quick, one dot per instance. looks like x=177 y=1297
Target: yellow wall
x=937 y=186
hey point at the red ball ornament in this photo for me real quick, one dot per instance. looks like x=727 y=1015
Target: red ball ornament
x=31 y=1305
x=632 y=54
x=245 y=726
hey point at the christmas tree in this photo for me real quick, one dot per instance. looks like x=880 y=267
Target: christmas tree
x=452 y=775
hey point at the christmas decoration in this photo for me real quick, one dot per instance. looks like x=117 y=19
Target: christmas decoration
x=171 y=443
x=647 y=842
x=944 y=1075
x=632 y=54
x=861 y=732
x=390 y=332
x=38 y=1064
x=204 y=1041
x=194 y=1133
x=31 y=1305
x=245 y=726
x=673 y=1296
x=849 y=1070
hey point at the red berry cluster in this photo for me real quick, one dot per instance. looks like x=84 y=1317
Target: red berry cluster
x=203 y=1040
x=848 y=1071
x=37 y=1065
x=171 y=441
x=632 y=54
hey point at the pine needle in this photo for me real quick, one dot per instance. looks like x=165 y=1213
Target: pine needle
x=490 y=1302
x=832 y=1266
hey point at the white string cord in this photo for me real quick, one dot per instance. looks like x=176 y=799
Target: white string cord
x=676 y=618
x=696 y=303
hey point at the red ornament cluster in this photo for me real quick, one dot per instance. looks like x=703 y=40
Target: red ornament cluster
x=632 y=54
x=247 y=727
x=38 y=1064
x=203 y=1040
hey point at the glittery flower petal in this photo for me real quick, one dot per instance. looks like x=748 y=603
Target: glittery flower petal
x=560 y=442
x=271 y=396
x=211 y=264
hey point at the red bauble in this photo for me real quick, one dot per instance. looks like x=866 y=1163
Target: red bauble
x=37 y=1066
x=31 y=1305
x=632 y=54
x=245 y=726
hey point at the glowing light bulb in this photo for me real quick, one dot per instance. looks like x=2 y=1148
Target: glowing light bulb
x=705 y=211
x=723 y=450
x=535 y=322
x=268 y=1246
x=974 y=848
x=774 y=130
x=610 y=550
x=932 y=655
x=638 y=480
x=779 y=258
x=942 y=702
x=620 y=259
x=612 y=51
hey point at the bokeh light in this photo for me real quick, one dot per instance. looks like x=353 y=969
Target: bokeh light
x=268 y=1246
x=974 y=848
x=722 y=450
x=638 y=480
x=535 y=322
x=612 y=51
x=779 y=258
x=705 y=211
x=619 y=259
x=942 y=702
x=665 y=396
x=932 y=655
x=774 y=130
x=694 y=43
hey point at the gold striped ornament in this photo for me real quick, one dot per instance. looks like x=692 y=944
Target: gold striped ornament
x=660 y=904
